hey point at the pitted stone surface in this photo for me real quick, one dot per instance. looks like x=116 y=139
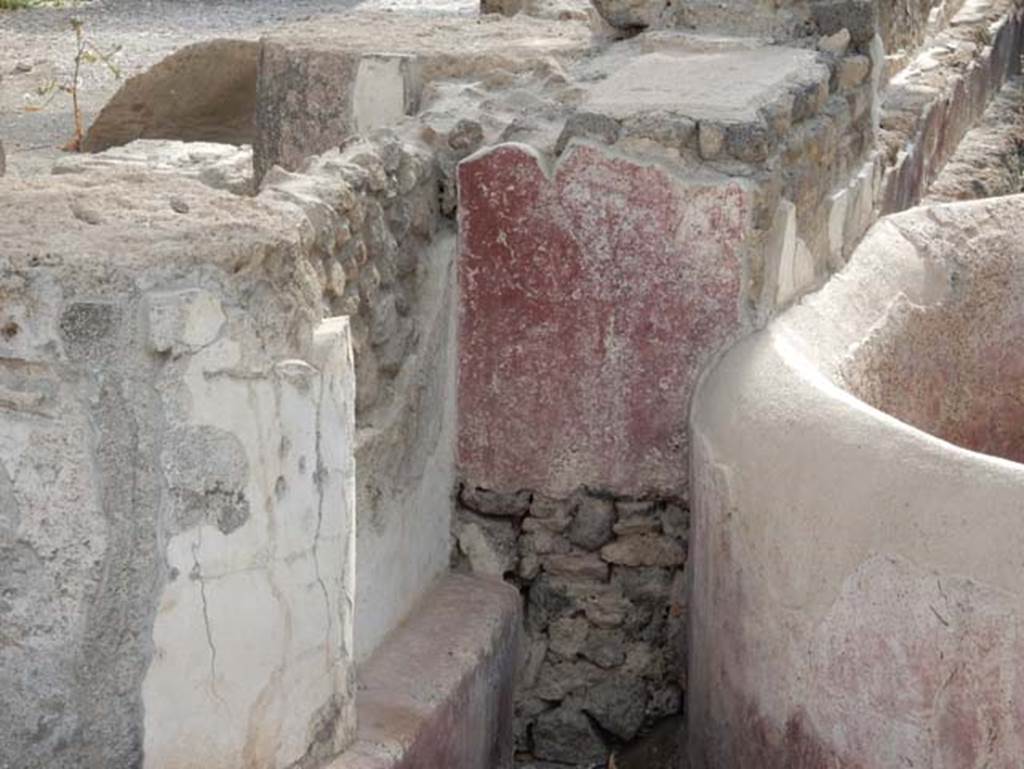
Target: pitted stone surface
x=323 y=83
x=590 y=299
x=221 y=166
x=689 y=82
x=177 y=479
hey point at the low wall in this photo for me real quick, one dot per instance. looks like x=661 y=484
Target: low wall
x=176 y=479
x=605 y=608
x=385 y=256
x=854 y=597
x=931 y=105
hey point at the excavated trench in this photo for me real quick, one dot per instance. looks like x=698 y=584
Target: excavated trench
x=952 y=369
x=989 y=162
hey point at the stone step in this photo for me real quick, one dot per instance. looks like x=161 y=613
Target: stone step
x=438 y=691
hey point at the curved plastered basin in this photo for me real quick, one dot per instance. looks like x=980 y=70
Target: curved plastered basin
x=857 y=560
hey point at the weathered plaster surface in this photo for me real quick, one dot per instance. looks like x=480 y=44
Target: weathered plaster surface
x=278 y=564
x=856 y=587
x=323 y=82
x=177 y=481
x=952 y=369
x=387 y=261
x=407 y=456
x=590 y=298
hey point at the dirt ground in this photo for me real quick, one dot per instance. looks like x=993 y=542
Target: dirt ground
x=37 y=48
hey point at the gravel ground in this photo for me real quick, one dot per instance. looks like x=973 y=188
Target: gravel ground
x=37 y=47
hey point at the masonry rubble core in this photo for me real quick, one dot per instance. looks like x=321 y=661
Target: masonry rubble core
x=464 y=389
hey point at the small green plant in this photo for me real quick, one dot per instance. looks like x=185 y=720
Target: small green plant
x=16 y=5
x=87 y=53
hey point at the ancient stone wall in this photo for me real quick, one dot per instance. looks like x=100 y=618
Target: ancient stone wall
x=384 y=253
x=902 y=25
x=930 y=106
x=989 y=162
x=603 y=583
x=176 y=479
x=594 y=290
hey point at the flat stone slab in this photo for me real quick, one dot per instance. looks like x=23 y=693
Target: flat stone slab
x=438 y=692
x=441 y=42
x=721 y=84
x=591 y=296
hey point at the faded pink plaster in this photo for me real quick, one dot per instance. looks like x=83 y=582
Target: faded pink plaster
x=955 y=368
x=590 y=301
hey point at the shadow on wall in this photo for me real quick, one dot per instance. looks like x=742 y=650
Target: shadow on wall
x=155 y=105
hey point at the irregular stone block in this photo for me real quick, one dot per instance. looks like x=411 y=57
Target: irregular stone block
x=488 y=544
x=605 y=647
x=494 y=503
x=631 y=274
x=582 y=565
x=568 y=634
x=618 y=704
x=564 y=734
x=644 y=550
x=592 y=523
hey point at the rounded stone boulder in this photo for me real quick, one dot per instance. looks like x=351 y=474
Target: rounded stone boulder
x=204 y=92
x=629 y=14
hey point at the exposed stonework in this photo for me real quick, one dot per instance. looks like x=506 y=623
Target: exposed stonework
x=321 y=84
x=989 y=162
x=739 y=225
x=384 y=256
x=604 y=586
x=631 y=203
x=930 y=106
